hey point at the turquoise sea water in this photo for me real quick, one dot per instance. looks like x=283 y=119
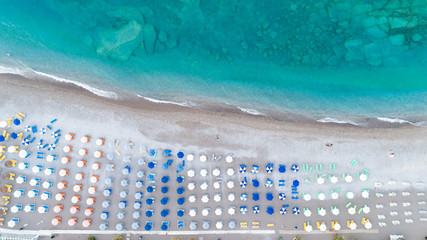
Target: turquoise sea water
x=327 y=60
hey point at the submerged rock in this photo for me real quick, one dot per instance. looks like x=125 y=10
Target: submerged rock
x=150 y=36
x=397 y=22
x=416 y=37
x=397 y=39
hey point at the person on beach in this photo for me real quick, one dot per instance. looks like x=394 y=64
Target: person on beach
x=329 y=144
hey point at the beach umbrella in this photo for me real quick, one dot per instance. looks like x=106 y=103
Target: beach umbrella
x=180 y=154
x=365 y=194
x=366 y=209
x=25 y=141
x=205 y=198
x=13 y=221
x=193 y=226
x=216 y=185
x=322 y=212
x=335 y=211
x=138 y=195
x=151 y=165
x=29 y=208
x=180 y=212
x=75 y=199
x=353 y=226
x=150 y=201
x=72 y=221
x=49 y=171
x=105 y=203
x=96 y=166
x=218 y=211
x=243 y=209
x=83 y=152
x=23 y=165
x=69 y=137
x=139 y=184
x=42 y=209
x=229 y=159
x=77 y=187
x=124 y=182
x=103 y=226
x=58 y=208
x=363 y=177
x=16 y=208
x=190 y=157
x=295 y=210
x=203 y=158
x=97 y=154
x=270 y=210
x=148 y=226
x=348 y=178
x=230 y=184
x=320 y=180
x=180 y=190
x=63 y=172
x=65 y=160
x=61 y=185
x=307 y=213
x=352 y=210
x=17 y=121
x=141 y=174
x=206 y=211
x=255 y=183
x=137 y=205
x=18 y=193
x=269 y=183
x=255 y=196
x=294 y=168
x=74 y=209
x=232 y=210
x=12 y=149
x=81 y=163
x=107 y=192
x=91 y=190
x=334 y=195
x=219 y=224
x=135 y=225
x=164 y=200
x=191 y=173
x=269 y=196
x=368 y=225
x=230 y=172
x=121 y=215
x=192 y=212
x=87 y=222
x=180 y=179
x=151 y=189
x=88 y=211
x=35 y=181
x=136 y=214
x=242 y=168
x=47 y=184
x=333 y=179
x=243 y=196
x=255 y=209
x=282 y=168
x=282 y=196
x=59 y=196
x=309 y=228
x=45 y=195
x=295 y=183
x=217 y=197
x=337 y=226
x=104 y=215
x=2 y=139
x=180 y=201
x=323 y=227
x=164 y=212
x=216 y=172
x=255 y=169
x=206 y=225
x=56 y=220
x=164 y=190
x=283 y=211
x=108 y=181
x=126 y=170
x=149 y=213
x=321 y=196
x=231 y=197
x=192 y=198
x=165 y=179
x=122 y=204
x=123 y=194
x=269 y=168
x=204 y=185
x=3 y=124
x=243 y=183
x=232 y=224
x=204 y=172
x=37 y=169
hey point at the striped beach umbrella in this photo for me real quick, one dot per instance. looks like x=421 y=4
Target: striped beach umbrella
x=282 y=196
x=255 y=209
x=269 y=183
x=269 y=167
x=243 y=196
x=243 y=209
x=294 y=168
x=242 y=168
x=255 y=169
x=283 y=211
x=295 y=210
x=243 y=183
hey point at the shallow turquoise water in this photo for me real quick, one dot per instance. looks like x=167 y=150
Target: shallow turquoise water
x=315 y=58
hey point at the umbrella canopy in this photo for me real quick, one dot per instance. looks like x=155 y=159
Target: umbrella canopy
x=335 y=211
x=72 y=221
x=323 y=227
x=353 y=226
x=219 y=225
x=216 y=172
x=282 y=168
x=180 y=212
x=165 y=179
x=84 y=139
x=47 y=184
x=365 y=194
x=218 y=211
x=269 y=183
x=216 y=185
x=21 y=179
x=242 y=168
x=282 y=196
x=18 y=193
x=232 y=224
x=81 y=163
x=295 y=210
x=107 y=192
x=366 y=209
x=149 y=213
x=148 y=226
x=77 y=187
x=86 y=223
x=230 y=184
x=126 y=170
x=270 y=210
x=205 y=212
x=180 y=190
x=104 y=215
x=352 y=210
x=164 y=190
x=179 y=179
x=65 y=160
x=135 y=225
x=138 y=195
x=243 y=209
x=348 y=178
x=203 y=158
x=204 y=185
x=269 y=168
x=45 y=195
x=193 y=226
x=243 y=183
x=151 y=189
x=255 y=183
x=192 y=198
x=121 y=215
x=103 y=226
x=217 y=197
x=320 y=180
x=334 y=195
x=150 y=200
x=123 y=194
x=333 y=179
x=191 y=173
x=136 y=214
x=232 y=210
x=79 y=176
x=229 y=159
x=37 y=169
x=122 y=204
x=151 y=165
x=230 y=172
x=269 y=196
x=322 y=212
x=105 y=203
x=363 y=177
x=124 y=182
x=91 y=190
x=255 y=169
x=294 y=168
x=190 y=157
x=164 y=200
x=43 y=209
x=321 y=196
x=337 y=226
x=96 y=166
x=139 y=184
x=192 y=212
x=295 y=183
x=307 y=213
x=309 y=228
x=181 y=201
x=74 y=209
x=255 y=209
x=55 y=221
x=283 y=211
x=63 y=172
x=368 y=225
x=255 y=196
x=164 y=212
x=231 y=197
x=203 y=172
x=206 y=225
x=16 y=208
x=22 y=165
x=243 y=196
x=29 y=208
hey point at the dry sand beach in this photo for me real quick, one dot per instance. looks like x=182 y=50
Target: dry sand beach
x=251 y=139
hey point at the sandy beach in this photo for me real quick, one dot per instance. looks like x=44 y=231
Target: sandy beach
x=252 y=140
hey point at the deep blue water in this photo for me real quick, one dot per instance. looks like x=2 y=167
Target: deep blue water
x=320 y=59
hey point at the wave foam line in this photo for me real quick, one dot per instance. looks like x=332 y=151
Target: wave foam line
x=182 y=104
x=401 y=121
x=24 y=73
x=333 y=120
x=251 y=111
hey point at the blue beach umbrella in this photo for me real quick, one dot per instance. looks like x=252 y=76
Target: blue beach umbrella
x=255 y=196
x=283 y=211
x=242 y=168
x=150 y=189
x=179 y=179
x=137 y=205
x=180 y=155
x=243 y=196
x=180 y=212
x=167 y=153
x=149 y=213
x=269 y=196
x=255 y=183
x=180 y=201
x=295 y=183
x=255 y=169
x=294 y=168
x=151 y=165
x=282 y=168
x=165 y=166
x=269 y=183
x=148 y=226
x=180 y=190
x=164 y=226
x=2 y=139
x=13 y=135
x=27 y=128
x=165 y=190
x=165 y=179
x=164 y=213
x=164 y=201
x=150 y=200
x=295 y=210
x=243 y=209
x=16 y=121
x=282 y=196
x=152 y=152
x=255 y=209
x=243 y=183
x=151 y=176
x=270 y=210
x=138 y=195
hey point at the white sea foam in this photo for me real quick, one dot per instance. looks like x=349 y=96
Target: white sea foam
x=393 y=120
x=251 y=111
x=28 y=71
x=182 y=104
x=333 y=120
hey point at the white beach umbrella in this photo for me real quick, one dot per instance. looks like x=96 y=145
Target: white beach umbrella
x=219 y=225
x=29 y=208
x=36 y=169
x=205 y=212
x=86 y=223
x=204 y=172
x=353 y=226
x=190 y=157
x=90 y=201
x=366 y=209
x=44 y=196
x=11 y=149
x=365 y=194
x=34 y=181
x=69 y=137
x=47 y=184
x=32 y=193
x=321 y=196
x=42 y=209
x=348 y=178
x=22 y=165
x=94 y=179
x=334 y=195
x=363 y=177
x=368 y=225
x=78 y=176
x=15 y=208
x=205 y=198
x=307 y=213
x=63 y=172
x=75 y=199
x=231 y=197
x=23 y=153
x=192 y=212
x=11 y=223
x=217 y=197
x=96 y=166
x=307 y=197
x=83 y=152
x=216 y=172
x=350 y=195
x=229 y=159
x=81 y=163
x=50 y=158
x=204 y=185
x=216 y=185
x=352 y=210
x=84 y=139
x=21 y=179
x=323 y=227
x=320 y=180
x=203 y=158
x=88 y=211
x=67 y=149
x=192 y=198
x=230 y=184
x=334 y=179
x=65 y=160
x=49 y=171
x=218 y=211
x=322 y=212
x=59 y=196
x=335 y=211
x=99 y=141
x=337 y=226
x=97 y=154
x=3 y=124
x=309 y=228
x=91 y=190
x=58 y=208
x=72 y=222
x=232 y=210
x=191 y=185
x=18 y=193
x=77 y=187
x=191 y=173
x=230 y=172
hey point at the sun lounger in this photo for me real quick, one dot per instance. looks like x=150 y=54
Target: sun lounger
x=270 y=224
x=180 y=223
x=243 y=225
